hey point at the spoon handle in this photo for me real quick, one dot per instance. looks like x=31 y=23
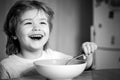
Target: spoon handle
x=78 y=58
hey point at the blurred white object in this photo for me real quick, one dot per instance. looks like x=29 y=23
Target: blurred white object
x=55 y=69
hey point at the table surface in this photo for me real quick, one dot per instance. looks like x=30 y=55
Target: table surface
x=109 y=74
x=105 y=74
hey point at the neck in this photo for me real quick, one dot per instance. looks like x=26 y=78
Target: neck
x=31 y=54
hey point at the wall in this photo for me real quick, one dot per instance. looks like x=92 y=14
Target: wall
x=4 y=6
x=72 y=22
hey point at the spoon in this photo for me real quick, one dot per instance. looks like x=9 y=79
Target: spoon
x=78 y=59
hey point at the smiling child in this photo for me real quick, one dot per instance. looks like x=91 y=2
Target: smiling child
x=28 y=26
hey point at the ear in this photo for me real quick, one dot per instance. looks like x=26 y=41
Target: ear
x=14 y=37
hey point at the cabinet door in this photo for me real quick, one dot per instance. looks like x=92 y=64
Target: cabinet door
x=106 y=23
x=107 y=59
x=107 y=29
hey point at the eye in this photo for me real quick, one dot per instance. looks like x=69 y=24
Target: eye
x=43 y=23
x=27 y=23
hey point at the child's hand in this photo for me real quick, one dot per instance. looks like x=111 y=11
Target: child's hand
x=89 y=47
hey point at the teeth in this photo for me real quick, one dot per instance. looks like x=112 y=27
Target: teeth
x=36 y=37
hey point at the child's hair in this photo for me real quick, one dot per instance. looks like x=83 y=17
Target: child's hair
x=13 y=17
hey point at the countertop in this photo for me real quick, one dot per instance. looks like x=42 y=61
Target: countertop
x=104 y=74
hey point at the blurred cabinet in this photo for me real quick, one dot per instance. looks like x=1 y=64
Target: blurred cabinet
x=106 y=33
x=107 y=59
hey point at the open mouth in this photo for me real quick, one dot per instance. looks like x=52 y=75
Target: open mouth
x=36 y=36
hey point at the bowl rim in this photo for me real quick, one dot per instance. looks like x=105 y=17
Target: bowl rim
x=35 y=63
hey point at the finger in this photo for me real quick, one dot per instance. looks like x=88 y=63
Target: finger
x=92 y=48
x=85 y=50
x=84 y=47
x=88 y=46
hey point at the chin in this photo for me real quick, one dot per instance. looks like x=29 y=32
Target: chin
x=37 y=47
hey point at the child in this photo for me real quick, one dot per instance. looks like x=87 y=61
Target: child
x=28 y=26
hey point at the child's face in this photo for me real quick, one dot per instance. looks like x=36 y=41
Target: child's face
x=33 y=30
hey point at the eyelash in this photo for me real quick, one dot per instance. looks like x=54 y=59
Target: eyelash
x=42 y=22
x=27 y=23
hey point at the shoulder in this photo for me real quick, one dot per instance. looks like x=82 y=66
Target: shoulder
x=3 y=68
x=3 y=73
x=13 y=66
x=58 y=54
x=7 y=60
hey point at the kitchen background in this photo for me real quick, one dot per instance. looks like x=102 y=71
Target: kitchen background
x=78 y=21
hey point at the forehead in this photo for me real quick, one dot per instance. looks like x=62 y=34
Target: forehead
x=34 y=13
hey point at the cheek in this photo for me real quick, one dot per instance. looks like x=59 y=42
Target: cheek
x=20 y=35
x=48 y=29
x=21 y=32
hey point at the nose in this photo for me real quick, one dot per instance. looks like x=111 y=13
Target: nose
x=36 y=28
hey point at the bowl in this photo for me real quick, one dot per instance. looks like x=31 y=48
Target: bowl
x=56 y=69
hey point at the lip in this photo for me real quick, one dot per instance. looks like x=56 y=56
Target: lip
x=36 y=36
x=37 y=33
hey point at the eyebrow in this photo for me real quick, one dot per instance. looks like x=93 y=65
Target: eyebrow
x=21 y=21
